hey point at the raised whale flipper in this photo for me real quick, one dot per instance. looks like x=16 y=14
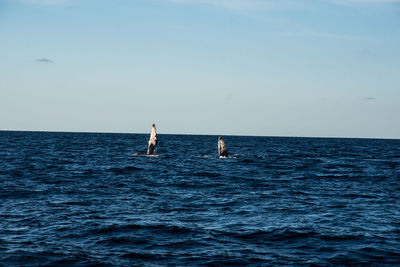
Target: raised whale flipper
x=222 y=150
x=152 y=141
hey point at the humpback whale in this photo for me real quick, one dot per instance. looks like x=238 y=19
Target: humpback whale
x=222 y=150
x=152 y=141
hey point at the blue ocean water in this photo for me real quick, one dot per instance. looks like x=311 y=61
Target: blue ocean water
x=89 y=199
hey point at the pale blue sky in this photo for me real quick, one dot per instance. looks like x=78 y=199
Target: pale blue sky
x=256 y=67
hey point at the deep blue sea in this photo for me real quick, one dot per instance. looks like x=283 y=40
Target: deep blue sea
x=81 y=199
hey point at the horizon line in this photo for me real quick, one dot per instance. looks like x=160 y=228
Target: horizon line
x=234 y=135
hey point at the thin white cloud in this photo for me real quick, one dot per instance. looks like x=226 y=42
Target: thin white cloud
x=368 y=1
x=358 y=2
x=236 y=4
x=332 y=36
x=270 y=4
x=322 y=35
x=47 y=2
x=240 y=4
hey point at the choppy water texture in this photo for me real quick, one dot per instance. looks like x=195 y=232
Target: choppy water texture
x=82 y=199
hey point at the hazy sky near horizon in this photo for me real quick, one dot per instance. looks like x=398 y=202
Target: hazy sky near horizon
x=242 y=67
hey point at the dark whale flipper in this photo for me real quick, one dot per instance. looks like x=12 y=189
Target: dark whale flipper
x=152 y=141
x=222 y=149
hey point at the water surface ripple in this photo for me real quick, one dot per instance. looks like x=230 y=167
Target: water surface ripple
x=84 y=199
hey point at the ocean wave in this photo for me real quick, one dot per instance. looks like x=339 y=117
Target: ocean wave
x=82 y=199
x=124 y=170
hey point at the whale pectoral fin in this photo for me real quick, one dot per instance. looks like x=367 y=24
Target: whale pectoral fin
x=152 y=141
x=222 y=149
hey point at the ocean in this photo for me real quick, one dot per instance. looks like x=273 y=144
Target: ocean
x=82 y=199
